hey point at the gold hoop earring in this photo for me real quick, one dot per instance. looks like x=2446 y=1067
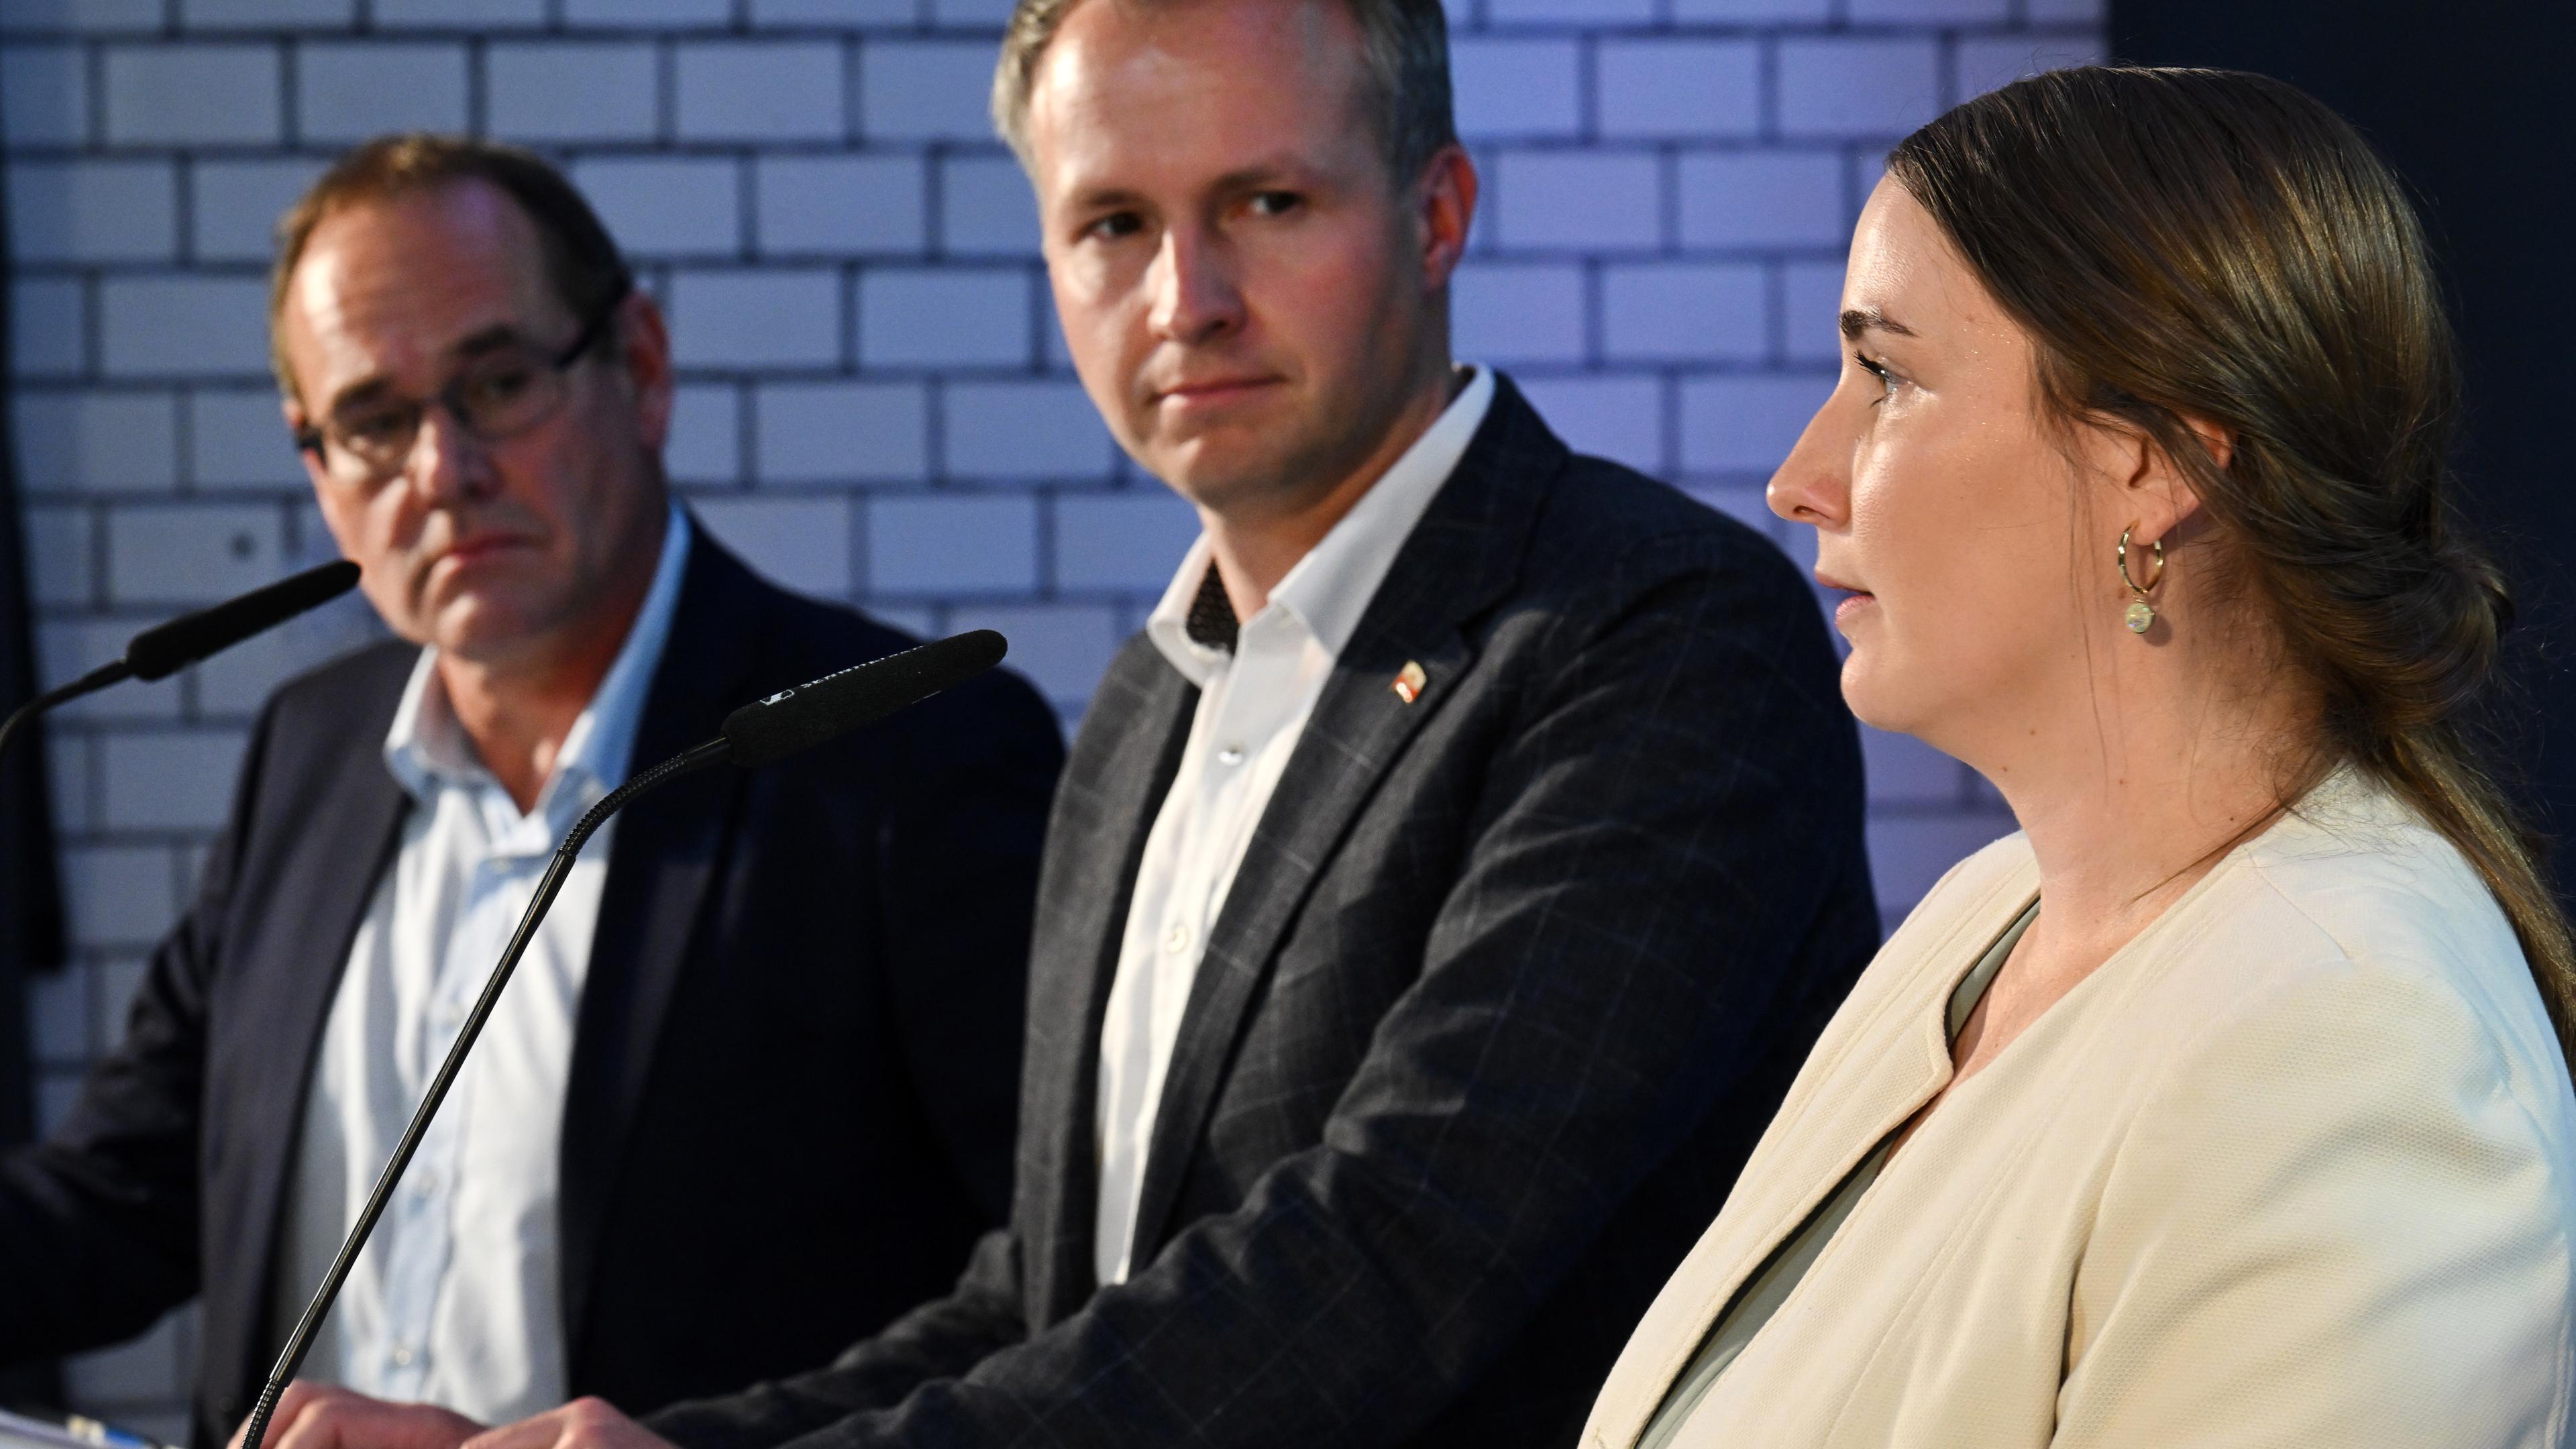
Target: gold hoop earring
x=2142 y=615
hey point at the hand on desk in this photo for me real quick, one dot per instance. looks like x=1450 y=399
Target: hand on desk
x=319 y=1416
x=315 y=1416
x=581 y=1424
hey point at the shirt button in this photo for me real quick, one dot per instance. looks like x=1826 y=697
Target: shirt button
x=402 y=1355
x=425 y=1185
x=1230 y=756
x=1177 y=939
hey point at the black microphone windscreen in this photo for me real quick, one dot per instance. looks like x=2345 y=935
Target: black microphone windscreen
x=809 y=714
x=166 y=648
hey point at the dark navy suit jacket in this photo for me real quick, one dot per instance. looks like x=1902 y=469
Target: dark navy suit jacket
x=793 y=1083
x=1509 y=980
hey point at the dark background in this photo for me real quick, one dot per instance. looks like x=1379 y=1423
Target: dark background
x=2468 y=101
x=31 y=922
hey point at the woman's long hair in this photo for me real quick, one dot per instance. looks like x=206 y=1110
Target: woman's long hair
x=2216 y=245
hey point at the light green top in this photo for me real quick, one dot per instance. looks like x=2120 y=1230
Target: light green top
x=1759 y=1298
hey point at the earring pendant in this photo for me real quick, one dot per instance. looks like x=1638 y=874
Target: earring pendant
x=2141 y=615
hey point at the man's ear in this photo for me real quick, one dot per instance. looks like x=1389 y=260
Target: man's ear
x=644 y=359
x=1445 y=207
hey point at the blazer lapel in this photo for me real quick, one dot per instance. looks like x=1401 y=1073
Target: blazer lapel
x=1462 y=555
x=1123 y=764
x=339 y=863
x=1867 y=1078
x=666 y=851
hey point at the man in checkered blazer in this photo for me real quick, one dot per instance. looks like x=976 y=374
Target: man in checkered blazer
x=1445 y=884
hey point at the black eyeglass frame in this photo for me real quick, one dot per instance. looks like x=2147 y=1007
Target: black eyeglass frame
x=314 y=440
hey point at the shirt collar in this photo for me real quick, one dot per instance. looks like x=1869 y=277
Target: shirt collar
x=426 y=749
x=1328 y=590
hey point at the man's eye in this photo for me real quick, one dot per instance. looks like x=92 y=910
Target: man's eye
x=373 y=428
x=1115 y=225
x=1276 y=203
x=497 y=386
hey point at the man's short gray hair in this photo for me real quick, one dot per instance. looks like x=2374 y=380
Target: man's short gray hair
x=1404 y=48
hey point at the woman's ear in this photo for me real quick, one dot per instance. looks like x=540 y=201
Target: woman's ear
x=2216 y=439
x=2157 y=493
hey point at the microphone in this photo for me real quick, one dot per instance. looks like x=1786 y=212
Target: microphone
x=799 y=718
x=756 y=734
x=165 y=649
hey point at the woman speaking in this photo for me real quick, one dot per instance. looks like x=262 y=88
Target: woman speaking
x=2227 y=1102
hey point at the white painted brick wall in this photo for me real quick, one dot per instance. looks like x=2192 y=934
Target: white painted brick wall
x=1517 y=89
x=985 y=208
x=740 y=317
x=803 y=543
x=1767 y=198
x=874 y=400
x=188 y=555
x=348 y=91
x=47 y=327
x=183 y=325
x=1665 y=89
x=950 y=317
x=840 y=432
x=1575 y=199
x=234 y=205
x=926 y=547
x=45 y=89
x=761 y=91
x=540 y=92
x=167 y=780
x=93 y=211
x=667 y=206
x=1682 y=312
x=1023 y=432
x=1511 y=313
x=839 y=205
x=194 y=95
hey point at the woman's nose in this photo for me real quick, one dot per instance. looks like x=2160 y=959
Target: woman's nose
x=1813 y=484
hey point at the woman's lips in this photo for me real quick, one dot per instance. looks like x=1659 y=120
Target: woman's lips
x=1851 y=608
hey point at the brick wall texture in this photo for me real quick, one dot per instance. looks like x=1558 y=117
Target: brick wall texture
x=875 y=404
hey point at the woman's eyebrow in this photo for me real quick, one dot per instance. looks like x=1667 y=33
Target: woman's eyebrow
x=1857 y=320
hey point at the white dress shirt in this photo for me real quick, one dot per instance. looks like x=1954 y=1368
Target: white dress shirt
x=1253 y=704
x=456 y=1300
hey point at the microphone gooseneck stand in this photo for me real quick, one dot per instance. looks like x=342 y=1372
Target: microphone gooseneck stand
x=114 y=672
x=165 y=649
x=301 y=1340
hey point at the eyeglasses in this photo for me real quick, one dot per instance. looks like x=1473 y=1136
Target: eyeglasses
x=499 y=395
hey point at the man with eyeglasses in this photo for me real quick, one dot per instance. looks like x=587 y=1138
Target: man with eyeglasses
x=752 y=1090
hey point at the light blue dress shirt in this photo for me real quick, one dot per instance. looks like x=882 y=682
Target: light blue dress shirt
x=456 y=1300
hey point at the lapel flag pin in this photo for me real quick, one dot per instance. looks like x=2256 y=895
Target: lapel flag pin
x=1408 y=682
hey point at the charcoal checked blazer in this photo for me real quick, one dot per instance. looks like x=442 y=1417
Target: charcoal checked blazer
x=790 y=1102
x=1509 y=981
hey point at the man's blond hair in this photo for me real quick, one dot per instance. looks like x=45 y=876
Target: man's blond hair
x=1404 y=51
